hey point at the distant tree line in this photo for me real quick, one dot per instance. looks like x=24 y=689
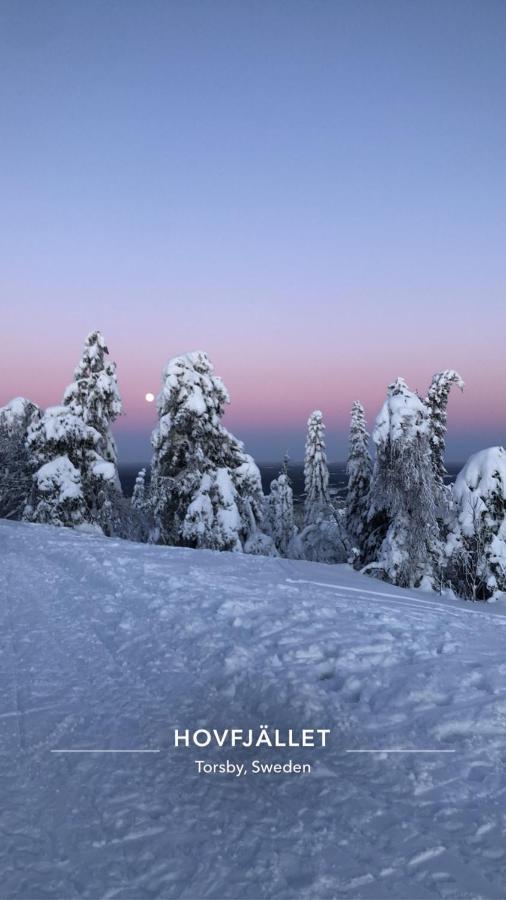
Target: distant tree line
x=400 y=520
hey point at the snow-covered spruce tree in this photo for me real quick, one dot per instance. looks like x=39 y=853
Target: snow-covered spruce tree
x=205 y=490
x=403 y=494
x=15 y=474
x=94 y=394
x=94 y=397
x=69 y=475
x=323 y=538
x=140 y=513
x=476 y=544
x=316 y=473
x=437 y=403
x=358 y=469
x=139 y=491
x=280 y=516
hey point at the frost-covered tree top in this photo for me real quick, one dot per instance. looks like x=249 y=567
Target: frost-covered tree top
x=482 y=479
x=190 y=406
x=16 y=414
x=316 y=473
x=437 y=403
x=191 y=391
x=403 y=415
x=94 y=393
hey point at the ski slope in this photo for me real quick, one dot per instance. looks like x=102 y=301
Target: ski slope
x=109 y=645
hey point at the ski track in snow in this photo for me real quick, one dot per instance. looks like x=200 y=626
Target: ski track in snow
x=107 y=644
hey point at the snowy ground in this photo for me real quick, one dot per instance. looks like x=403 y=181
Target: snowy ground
x=106 y=644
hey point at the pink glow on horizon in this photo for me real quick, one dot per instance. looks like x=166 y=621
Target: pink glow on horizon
x=280 y=393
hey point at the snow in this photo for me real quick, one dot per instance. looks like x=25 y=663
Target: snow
x=111 y=645
x=60 y=424
x=403 y=414
x=105 y=470
x=483 y=474
x=60 y=474
x=192 y=377
x=13 y=414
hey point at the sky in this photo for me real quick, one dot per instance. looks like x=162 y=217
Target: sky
x=311 y=191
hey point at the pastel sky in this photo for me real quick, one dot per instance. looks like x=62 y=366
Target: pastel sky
x=312 y=192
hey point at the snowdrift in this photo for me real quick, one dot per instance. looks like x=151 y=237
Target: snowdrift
x=110 y=645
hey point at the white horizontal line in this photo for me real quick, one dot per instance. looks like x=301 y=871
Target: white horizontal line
x=105 y=751
x=386 y=750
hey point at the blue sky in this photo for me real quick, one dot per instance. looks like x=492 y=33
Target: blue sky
x=314 y=192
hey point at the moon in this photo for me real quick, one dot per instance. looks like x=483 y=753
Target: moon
x=149 y=397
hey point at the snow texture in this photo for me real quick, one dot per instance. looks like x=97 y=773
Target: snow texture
x=111 y=645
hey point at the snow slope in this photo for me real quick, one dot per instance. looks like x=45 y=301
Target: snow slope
x=110 y=645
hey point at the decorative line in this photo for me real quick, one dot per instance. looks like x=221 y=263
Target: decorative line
x=386 y=750
x=105 y=751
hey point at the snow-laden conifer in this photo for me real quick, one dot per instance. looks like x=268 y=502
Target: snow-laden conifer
x=358 y=469
x=316 y=473
x=205 y=490
x=403 y=493
x=94 y=393
x=437 y=403
x=476 y=544
x=280 y=515
x=139 y=491
x=61 y=445
x=57 y=495
x=15 y=474
x=94 y=397
x=323 y=538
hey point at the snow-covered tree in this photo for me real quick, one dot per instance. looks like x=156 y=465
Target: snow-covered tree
x=57 y=497
x=139 y=523
x=437 y=403
x=94 y=397
x=139 y=491
x=15 y=474
x=280 y=517
x=358 y=469
x=205 y=490
x=94 y=394
x=476 y=545
x=403 y=493
x=316 y=473
x=59 y=445
x=323 y=538
x=325 y=541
